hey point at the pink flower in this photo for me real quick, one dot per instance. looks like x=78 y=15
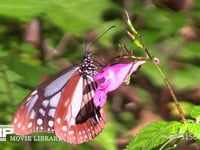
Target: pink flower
x=111 y=78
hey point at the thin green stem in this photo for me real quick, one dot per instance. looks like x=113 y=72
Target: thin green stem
x=137 y=36
x=167 y=83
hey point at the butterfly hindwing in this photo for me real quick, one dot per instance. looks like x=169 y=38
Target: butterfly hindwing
x=78 y=120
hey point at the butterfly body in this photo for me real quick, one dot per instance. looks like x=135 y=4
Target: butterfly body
x=63 y=104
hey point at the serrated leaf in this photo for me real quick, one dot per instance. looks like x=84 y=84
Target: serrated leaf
x=195 y=113
x=154 y=135
x=194 y=129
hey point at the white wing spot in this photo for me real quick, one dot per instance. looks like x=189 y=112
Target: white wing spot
x=45 y=103
x=42 y=111
x=34 y=92
x=15 y=120
x=85 y=136
x=32 y=116
x=28 y=98
x=97 y=117
x=55 y=99
x=19 y=125
x=41 y=127
x=52 y=112
x=71 y=132
x=50 y=123
x=30 y=125
x=31 y=103
x=58 y=120
x=79 y=133
x=23 y=128
x=39 y=121
x=64 y=128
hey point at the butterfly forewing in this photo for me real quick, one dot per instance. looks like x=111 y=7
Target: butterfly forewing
x=64 y=105
x=36 y=112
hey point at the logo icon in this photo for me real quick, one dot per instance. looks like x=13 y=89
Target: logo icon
x=4 y=131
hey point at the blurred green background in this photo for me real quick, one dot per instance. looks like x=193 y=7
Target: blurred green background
x=39 y=38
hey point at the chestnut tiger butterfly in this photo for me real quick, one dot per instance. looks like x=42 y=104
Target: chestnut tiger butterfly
x=63 y=105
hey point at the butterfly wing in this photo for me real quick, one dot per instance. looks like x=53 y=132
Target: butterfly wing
x=77 y=119
x=36 y=113
x=64 y=105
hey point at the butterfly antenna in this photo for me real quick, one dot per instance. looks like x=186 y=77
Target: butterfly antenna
x=85 y=47
x=94 y=42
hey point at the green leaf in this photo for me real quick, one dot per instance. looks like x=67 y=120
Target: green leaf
x=167 y=23
x=186 y=77
x=190 y=50
x=23 y=10
x=195 y=113
x=75 y=17
x=28 y=76
x=154 y=135
x=160 y=134
x=194 y=129
x=72 y=16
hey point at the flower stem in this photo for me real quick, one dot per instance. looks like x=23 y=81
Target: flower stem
x=136 y=36
x=167 y=83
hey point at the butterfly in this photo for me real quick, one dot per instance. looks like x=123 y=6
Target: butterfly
x=63 y=105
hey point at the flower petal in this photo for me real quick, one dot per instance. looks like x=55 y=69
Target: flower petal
x=111 y=78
